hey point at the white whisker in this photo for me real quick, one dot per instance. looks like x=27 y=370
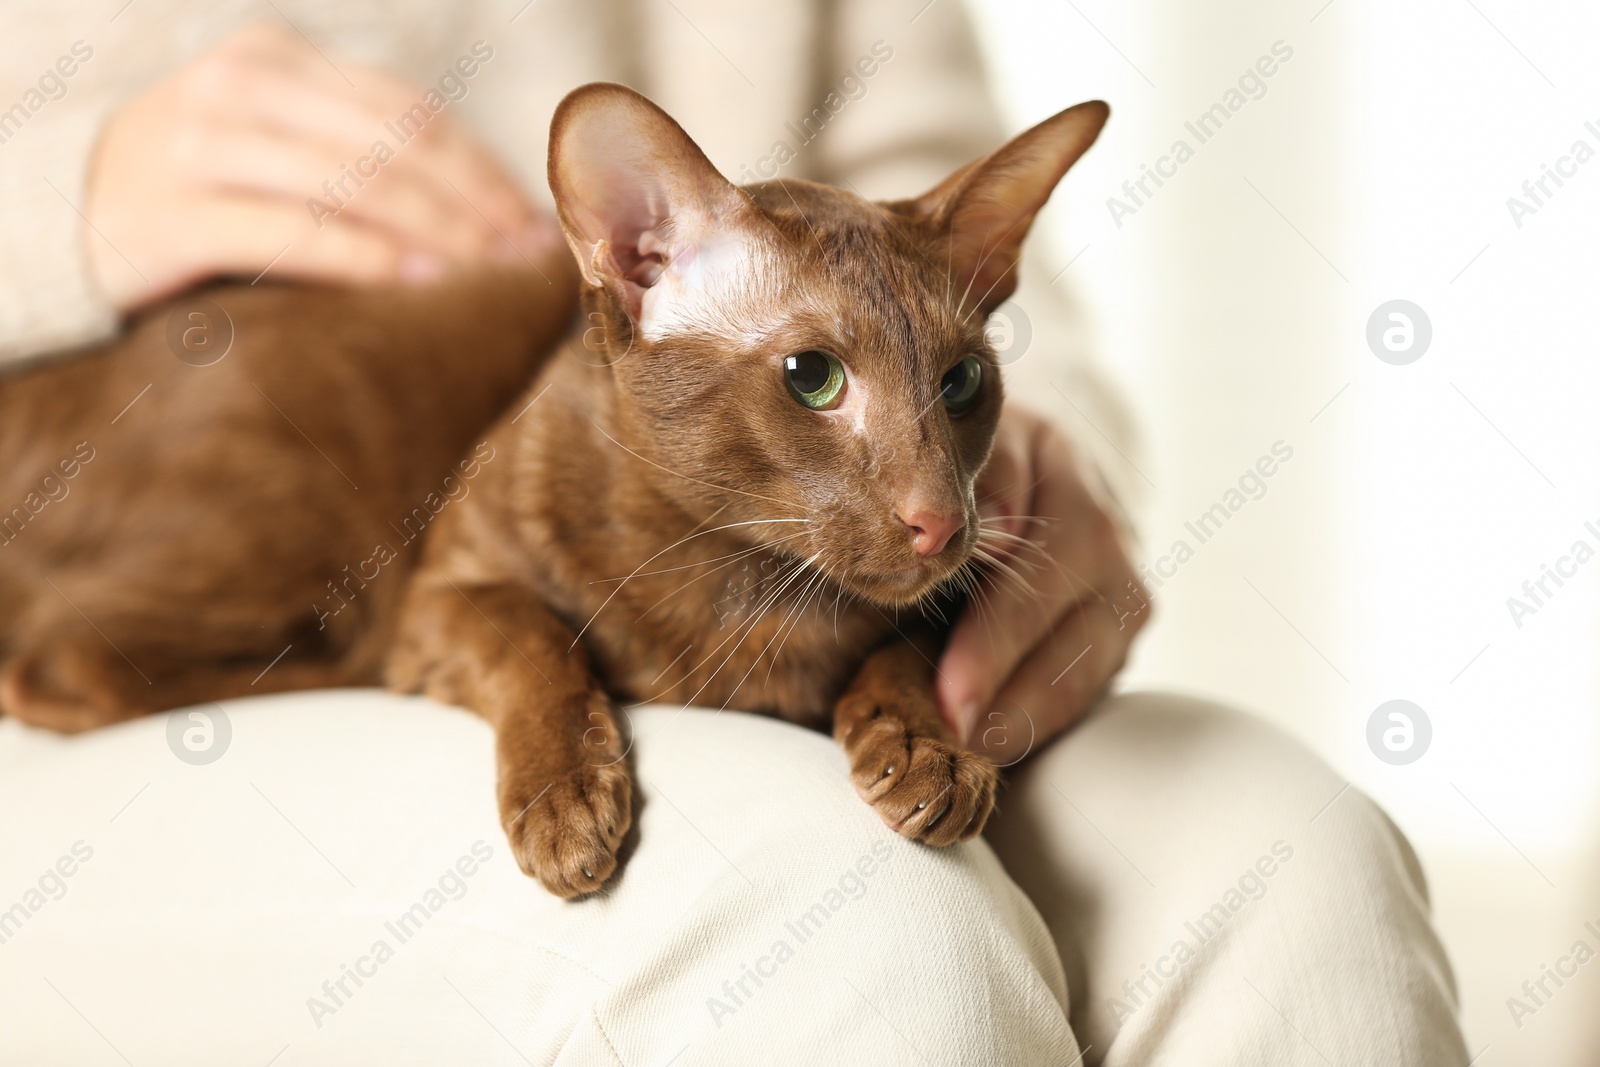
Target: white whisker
x=680 y=474
x=745 y=630
x=764 y=546
x=646 y=563
x=714 y=559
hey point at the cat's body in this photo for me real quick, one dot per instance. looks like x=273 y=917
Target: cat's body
x=214 y=516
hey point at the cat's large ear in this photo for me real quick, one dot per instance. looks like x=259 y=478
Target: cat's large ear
x=641 y=206
x=989 y=205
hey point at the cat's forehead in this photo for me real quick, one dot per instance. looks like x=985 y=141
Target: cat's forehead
x=873 y=273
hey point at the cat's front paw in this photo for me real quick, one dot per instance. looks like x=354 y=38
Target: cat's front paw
x=566 y=833
x=921 y=786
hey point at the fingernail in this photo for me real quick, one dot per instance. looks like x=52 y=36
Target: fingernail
x=420 y=268
x=967 y=721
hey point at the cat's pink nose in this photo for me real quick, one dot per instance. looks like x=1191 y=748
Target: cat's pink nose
x=930 y=531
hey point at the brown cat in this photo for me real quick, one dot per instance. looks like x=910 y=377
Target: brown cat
x=758 y=455
x=757 y=450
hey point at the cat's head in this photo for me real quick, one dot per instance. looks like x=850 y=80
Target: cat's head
x=793 y=358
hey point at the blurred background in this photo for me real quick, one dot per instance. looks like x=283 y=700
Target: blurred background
x=1233 y=303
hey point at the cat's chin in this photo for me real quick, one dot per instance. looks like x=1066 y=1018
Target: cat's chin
x=902 y=588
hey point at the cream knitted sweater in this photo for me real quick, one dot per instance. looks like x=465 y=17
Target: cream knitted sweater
x=769 y=89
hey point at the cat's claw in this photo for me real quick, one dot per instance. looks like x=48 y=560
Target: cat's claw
x=567 y=835
x=922 y=787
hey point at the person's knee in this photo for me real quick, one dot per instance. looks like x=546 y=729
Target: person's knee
x=1257 y=859
x=1205 y=767
x=1232 y=774
x=1197 y=780
x=810 y=917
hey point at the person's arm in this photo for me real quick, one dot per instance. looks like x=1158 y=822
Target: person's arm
x=48 y=126
x=1040 y=653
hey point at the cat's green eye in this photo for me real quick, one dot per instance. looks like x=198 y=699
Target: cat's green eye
x=960 y=384
x=815 y=378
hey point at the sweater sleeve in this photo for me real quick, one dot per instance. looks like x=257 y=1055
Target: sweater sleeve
x=925 y=111
x=48 y=300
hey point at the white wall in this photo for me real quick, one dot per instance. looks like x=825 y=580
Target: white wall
x=1234 y=303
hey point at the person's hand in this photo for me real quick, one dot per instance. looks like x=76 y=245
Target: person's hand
x=1059 y=610
x=209 y=172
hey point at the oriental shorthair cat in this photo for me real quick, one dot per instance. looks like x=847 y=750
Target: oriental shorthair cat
x=745 y=481
x=758 y=454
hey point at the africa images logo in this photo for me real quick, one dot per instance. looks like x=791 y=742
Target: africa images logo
x=199 y=736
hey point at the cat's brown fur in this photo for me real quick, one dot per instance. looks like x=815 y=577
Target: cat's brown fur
x=200 y=539
x=671 y=524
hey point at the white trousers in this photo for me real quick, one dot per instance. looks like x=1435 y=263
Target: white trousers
x=1171 y=883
